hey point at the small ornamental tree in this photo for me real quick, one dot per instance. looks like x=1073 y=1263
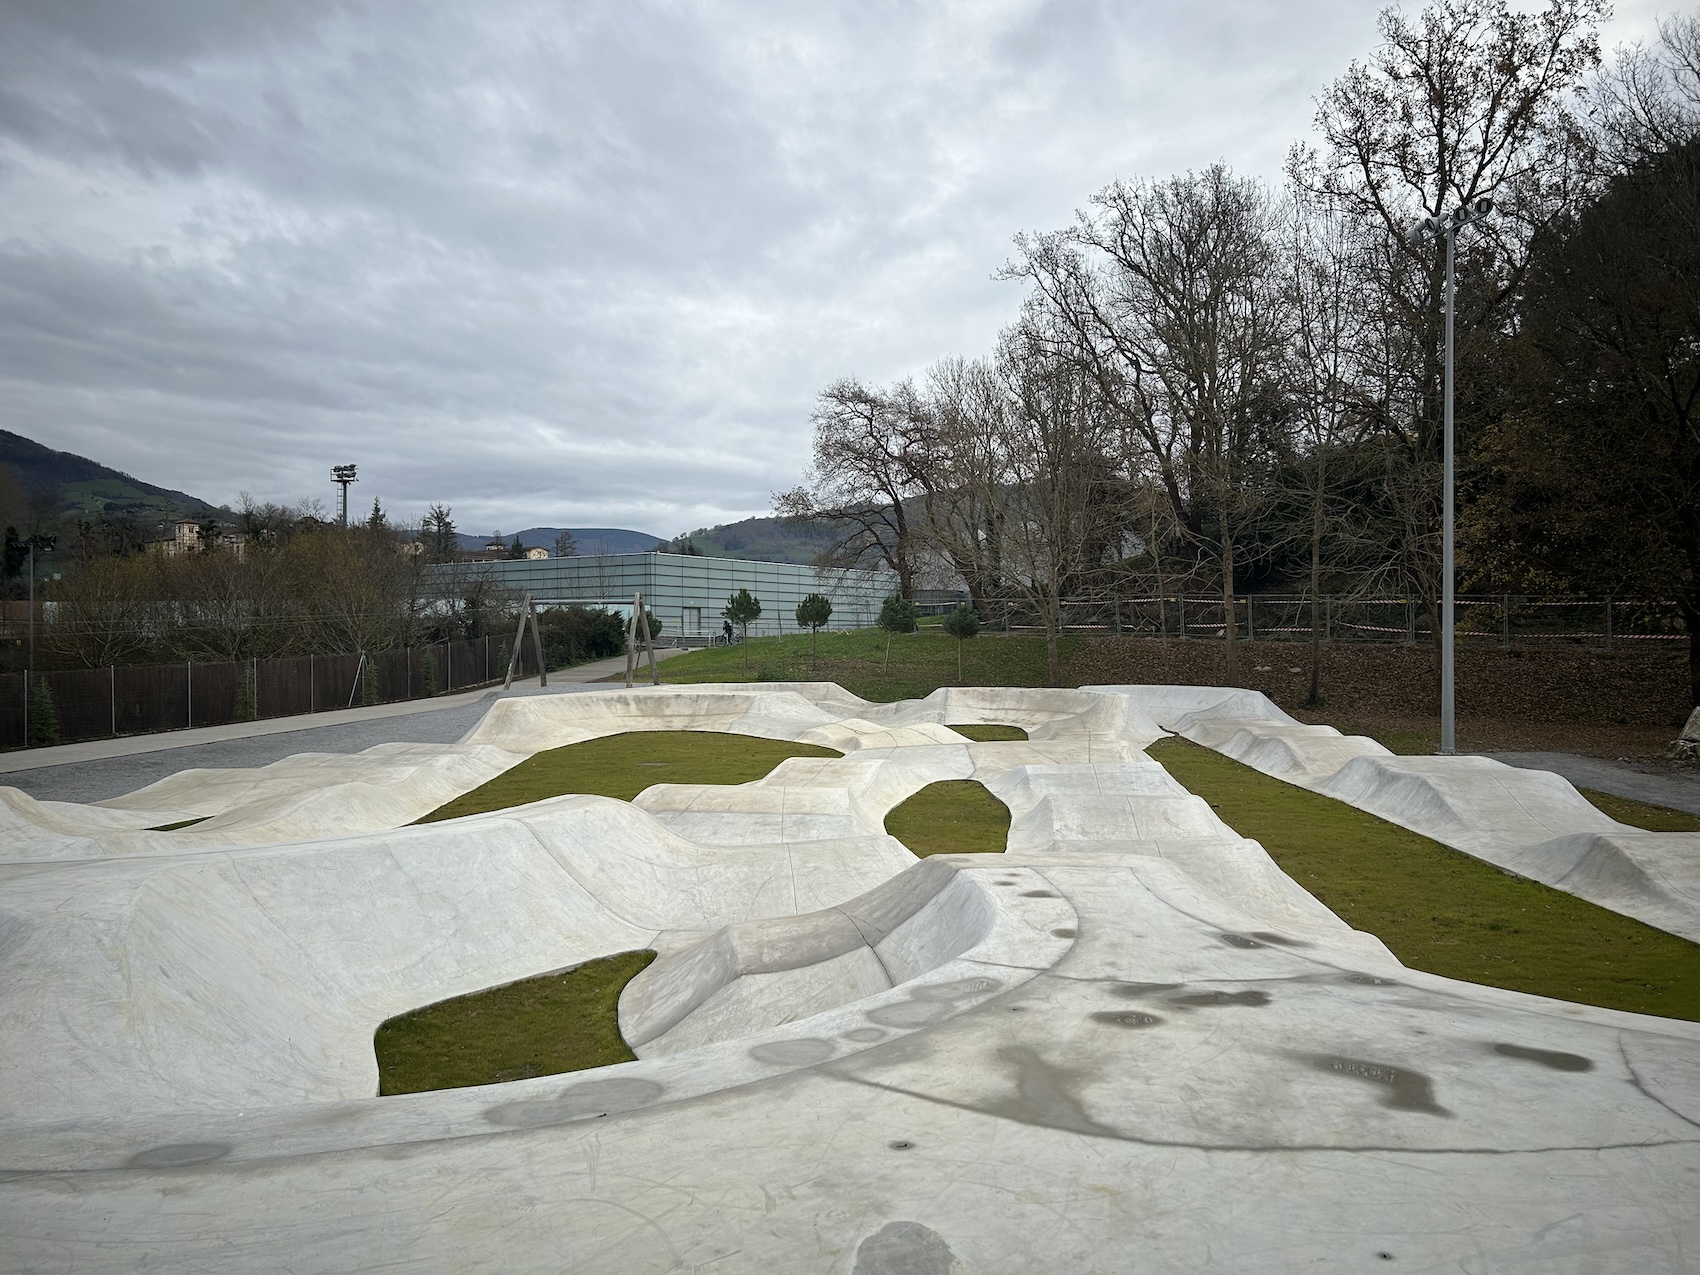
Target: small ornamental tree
x=898 y=615
x=961 y=624
x=742 y=608
x=44 y=716
x=812 y=612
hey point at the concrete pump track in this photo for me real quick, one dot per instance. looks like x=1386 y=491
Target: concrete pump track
x=1129 y=1043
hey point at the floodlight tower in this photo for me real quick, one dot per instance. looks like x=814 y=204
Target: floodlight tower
x=1437 y=228
x=342 y=475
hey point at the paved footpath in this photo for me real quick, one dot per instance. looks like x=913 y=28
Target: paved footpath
x=102 y=768
x=1677 y=790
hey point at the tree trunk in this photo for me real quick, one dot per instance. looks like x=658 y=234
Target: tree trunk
x=1691 y=617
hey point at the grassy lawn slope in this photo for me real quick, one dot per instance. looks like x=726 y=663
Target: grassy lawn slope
x=956 y=816
x=565 y=1021
x=622 y=766
x=1440 y=910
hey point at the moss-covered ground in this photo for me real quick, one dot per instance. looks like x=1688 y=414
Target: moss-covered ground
x=955 y=816
x=1438 y=909
x=622 y=766
x=565 y=1021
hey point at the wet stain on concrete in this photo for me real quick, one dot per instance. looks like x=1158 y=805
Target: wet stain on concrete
x=1040 y=894
x=1279 y=940
x=1063 y=933
x=1238 y=940
x=956 y=991
x=909 y=1013
x=594 y=1098
x=1044 y=1094
x=793 y=1053
x=906 y=1248
x=1139 y=991
x=1126 y=1018
x=865 y=1035
x=178 y=1155
x=1401 y=1090
x=1370 y=980
x=1206 y=999
x=1546 y=1057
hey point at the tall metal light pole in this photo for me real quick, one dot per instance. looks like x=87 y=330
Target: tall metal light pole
x=1448 y=228
x=342 y=475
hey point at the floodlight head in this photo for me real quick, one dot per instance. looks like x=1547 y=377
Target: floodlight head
x=1421 y=231
x=1484 y=206
x=343 y=474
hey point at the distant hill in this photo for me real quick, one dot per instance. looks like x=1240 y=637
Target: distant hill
x=591 y=540
x=84 y=488
x=763 y=540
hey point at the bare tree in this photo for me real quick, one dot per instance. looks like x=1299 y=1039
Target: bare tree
x=868 y=445
x=1467 y=100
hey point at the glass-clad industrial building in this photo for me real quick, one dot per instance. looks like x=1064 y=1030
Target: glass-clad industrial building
x=687 y=592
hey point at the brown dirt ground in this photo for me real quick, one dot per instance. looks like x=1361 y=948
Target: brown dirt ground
x=1630 y=703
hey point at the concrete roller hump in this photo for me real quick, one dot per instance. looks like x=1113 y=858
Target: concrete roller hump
x=849 y=1060
x=1530 y=822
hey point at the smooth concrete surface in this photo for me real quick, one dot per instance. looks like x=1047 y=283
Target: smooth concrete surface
x=1530 y=822
x=1674 y=789
x=1128 y=1043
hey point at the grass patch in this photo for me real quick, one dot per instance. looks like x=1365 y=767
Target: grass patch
x=565 y=1021
x=1438 y=909
x=1638 y=814
x=622 y=766
x=856 y=659
x=986 y=733
x=181 y=823
x=956 y=816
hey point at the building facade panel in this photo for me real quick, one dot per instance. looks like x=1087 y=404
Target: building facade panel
x=688 y=592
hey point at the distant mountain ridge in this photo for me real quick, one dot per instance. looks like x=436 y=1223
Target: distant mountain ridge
x=590 y=540
x=86 y=488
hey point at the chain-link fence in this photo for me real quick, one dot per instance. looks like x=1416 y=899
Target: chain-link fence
x=79 y=704
x=1498 y=619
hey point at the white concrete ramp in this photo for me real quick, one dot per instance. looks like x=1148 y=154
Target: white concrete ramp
x=1129 y=1042
x=1530 y=822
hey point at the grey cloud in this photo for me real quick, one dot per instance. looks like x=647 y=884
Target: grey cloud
x=563 y=263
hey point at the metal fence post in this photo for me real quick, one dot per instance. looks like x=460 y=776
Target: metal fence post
x=1608 y=624
x=112 y=694
x=449 y=661
x=1505 y=622
x=312 y=685
x=1250 y=630
x=189 y=694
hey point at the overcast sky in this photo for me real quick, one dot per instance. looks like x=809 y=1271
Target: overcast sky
x=567 y=263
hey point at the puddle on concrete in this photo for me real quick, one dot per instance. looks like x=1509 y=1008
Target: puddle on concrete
x=865 y=1035
x=1238 y=940
x=1204 y=999
x=1040 y=894
x=793 y=1053
x=1063 y=933
x=1126 y=1018
x=1546 y=1057
x=1370 y=980
x=179 y=1155
x=1401 y=1090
